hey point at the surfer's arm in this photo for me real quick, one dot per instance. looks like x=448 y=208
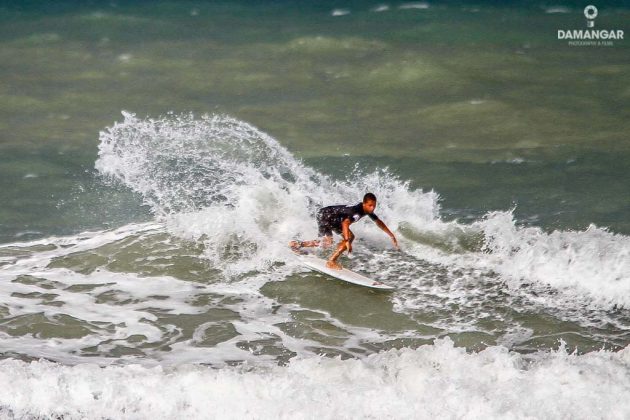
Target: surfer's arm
x=385 y=229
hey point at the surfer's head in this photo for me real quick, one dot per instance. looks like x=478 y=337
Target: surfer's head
x=369 y=202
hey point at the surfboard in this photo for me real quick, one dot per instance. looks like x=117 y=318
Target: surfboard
x=318 y=264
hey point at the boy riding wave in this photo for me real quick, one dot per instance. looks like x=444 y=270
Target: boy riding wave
x=338 y=219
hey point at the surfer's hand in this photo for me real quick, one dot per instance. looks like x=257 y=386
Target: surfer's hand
x=395 y=243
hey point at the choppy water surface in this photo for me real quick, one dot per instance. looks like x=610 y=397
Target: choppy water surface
x=140 y=250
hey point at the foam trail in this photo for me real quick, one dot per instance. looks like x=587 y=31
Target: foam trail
x=432 y=381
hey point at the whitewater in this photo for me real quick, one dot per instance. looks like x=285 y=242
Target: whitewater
x=431 y=381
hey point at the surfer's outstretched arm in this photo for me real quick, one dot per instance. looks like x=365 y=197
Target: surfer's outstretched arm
x=385 y=229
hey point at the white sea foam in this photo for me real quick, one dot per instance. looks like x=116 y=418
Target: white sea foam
x=516 y=160
x=414 y=5
x=557 y=9
x=340 y=12
x=569 y=270
x=593 y=262
x=433 y=381
x=380 y=8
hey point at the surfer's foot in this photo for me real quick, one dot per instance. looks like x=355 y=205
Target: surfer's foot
x=333 y=264
x=296 y=247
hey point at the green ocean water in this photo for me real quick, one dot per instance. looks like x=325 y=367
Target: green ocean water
x=481 y=103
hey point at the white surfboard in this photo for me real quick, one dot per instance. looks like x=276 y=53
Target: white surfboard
x=344 y=274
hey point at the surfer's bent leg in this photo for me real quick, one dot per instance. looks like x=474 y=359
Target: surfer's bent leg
x=325 y=231
x=302 y=244
x=342 y=246
x=325 y=242
x=332 y=261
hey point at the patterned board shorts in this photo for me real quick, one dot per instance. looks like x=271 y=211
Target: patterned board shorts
x=327 y=224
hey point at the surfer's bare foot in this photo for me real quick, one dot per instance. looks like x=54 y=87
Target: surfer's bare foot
x=333 y=264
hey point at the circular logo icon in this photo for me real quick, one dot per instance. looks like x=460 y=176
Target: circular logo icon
x=590 y=12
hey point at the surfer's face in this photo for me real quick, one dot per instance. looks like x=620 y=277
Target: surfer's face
x=369 y=206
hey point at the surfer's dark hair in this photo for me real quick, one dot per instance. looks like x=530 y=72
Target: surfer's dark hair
x=369 y=197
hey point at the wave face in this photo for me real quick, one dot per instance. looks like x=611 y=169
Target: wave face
x=236 y=189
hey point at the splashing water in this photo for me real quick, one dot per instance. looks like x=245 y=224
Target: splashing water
x=223 y=181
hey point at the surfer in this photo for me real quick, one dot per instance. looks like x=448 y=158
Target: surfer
x=338 y=219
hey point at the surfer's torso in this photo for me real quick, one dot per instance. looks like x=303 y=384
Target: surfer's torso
x=329 y=218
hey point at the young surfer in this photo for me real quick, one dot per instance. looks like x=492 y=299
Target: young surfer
x=338 y=219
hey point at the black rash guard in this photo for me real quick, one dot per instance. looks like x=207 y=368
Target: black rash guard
x=329 y=218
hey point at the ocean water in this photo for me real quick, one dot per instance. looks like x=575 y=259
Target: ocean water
x=156 y=158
